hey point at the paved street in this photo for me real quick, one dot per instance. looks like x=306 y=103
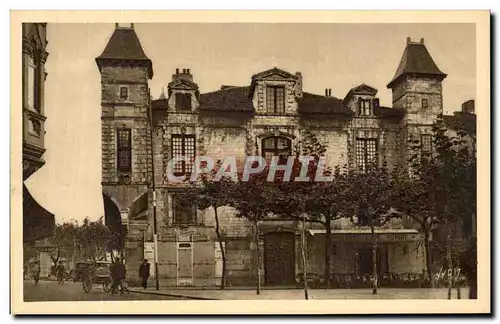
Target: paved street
x=52 y=291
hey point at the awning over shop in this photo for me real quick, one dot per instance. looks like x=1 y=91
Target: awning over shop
x=38 y=223
x=364 y=235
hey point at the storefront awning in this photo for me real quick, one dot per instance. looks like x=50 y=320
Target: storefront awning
x=38 y=223
x=364 y=235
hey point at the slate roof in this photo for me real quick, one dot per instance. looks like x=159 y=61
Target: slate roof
x=237 y=99
x=227 y=99
x=125 y=45
x=316 y=104
x=416 y=60
x=461 y=121
x=389 y=112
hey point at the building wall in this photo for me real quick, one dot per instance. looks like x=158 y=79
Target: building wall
x=34 y=56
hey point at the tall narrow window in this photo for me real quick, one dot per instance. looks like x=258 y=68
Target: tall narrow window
x=366 y=152
x=426 y=143
x=31 y=98
x=275 y=99
x=124 y=150
x=276 y=146
x=183 y=145
x=365 y=108
x=184 y=211
x=183 y=101
x=123 y=93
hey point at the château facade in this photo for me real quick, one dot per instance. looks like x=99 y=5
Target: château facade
x=269 y=116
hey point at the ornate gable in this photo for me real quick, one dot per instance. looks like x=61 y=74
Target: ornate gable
x=274 y=74
x=364 y=89
x=183 y=84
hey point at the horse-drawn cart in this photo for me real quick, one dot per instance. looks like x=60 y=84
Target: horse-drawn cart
x=97 y=273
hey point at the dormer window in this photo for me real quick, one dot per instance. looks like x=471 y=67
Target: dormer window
x=123 y=93
x=275 y=99
x=183 y=101
x=365 y=107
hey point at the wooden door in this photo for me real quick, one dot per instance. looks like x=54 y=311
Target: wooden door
x=279 y=255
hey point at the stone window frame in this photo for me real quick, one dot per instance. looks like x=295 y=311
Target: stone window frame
x=32 y=60
x=124 y=148
x=365 y=110
x=191 y=220
x=121 y=93
x=183 y=138
x=178 y=106
x=273 y=109
x=426 y=144
x=364 y=150
x=425 y=103
x=275 y=149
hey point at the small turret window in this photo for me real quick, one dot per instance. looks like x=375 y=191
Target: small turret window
x=123 y=93
x=425 y=103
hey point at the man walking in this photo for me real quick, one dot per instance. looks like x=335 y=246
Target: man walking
x=118 y=272
x=36 y=272
x=144 y=273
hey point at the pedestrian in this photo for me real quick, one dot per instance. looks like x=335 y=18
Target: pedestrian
x=144 y=273
x=60 y=272
x=118 y=272
x=36 y=272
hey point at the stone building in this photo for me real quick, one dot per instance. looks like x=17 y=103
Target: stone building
x=38 y=223
x=266 y=117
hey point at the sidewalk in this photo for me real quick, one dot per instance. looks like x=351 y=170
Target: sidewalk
x=298 y=294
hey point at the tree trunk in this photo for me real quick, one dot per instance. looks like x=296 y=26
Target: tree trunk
x=257 y=249
x=221 y=246
x=450 y=266
x=428 y=257
x=374 y=259
x=328 y=228
x=304 y=257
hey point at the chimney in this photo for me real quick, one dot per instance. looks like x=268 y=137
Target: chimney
x=422 y=41
x=469 y=107
x=132 y=25
x=187 y=70
x=329 y=92
x=177 y=71
x=116 y=25
x=326 y=92
x=408 y=40
x=298 y=85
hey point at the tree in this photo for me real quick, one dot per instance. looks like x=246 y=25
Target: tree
x=440 y=188
x=64 y=238
x=372 y=191
x=252 y=200
x=214 y=193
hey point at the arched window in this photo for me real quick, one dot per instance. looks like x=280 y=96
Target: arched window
x=276 y=146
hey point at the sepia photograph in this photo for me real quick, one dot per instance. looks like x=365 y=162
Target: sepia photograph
x=173 y=159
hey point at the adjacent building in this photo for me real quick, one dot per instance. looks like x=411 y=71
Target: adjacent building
x=269 y=116
x=38 y=223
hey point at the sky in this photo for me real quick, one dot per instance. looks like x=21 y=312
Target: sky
x=336 y=56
